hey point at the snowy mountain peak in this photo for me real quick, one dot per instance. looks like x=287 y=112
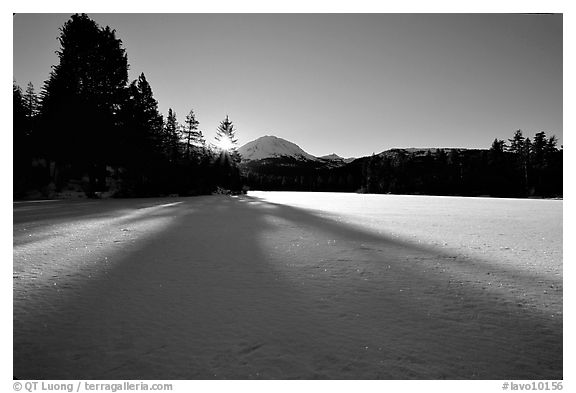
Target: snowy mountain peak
x=335 y=158
x=332 y=156
x=270 y=146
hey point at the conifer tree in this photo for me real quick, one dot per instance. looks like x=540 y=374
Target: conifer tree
x=82 y=98
x=539 y=142
x=550 y=147
x=143 y=121
x=171 y=137
x=31 y=104
x=227 y=164
x=20 y=134
x=19 y=112
x=25 y=145
x=143 y=141
x=226 y=140
x=498 y=146
x=526 y=159
x=516 y=143
x=31 y=101
x=193 y=137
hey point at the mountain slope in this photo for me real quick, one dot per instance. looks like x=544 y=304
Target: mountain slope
x=272 y=147
x=335 y=158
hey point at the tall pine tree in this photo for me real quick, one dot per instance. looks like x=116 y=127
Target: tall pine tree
x=32 y=105
x=82 y=98
x=526 y=158
x=171 y=137
x=194 y=139
x=143 y=138
x=142 y=120
x=516 y=143
x=228 y=160
x=498 y=146
x=20 y=113
x=31 y=101
x=21 y=139
x=226 y=140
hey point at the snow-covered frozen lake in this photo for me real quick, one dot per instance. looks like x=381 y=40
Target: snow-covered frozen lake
x=283 y=285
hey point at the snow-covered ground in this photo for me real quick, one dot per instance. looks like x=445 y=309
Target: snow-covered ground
x=288 y=285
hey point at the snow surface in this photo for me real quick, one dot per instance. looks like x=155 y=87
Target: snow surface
x=272 y=147
x=288 y=285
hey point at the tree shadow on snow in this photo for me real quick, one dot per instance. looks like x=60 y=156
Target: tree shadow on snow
x=241 y=288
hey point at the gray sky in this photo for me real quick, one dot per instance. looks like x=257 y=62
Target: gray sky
x=352 y=84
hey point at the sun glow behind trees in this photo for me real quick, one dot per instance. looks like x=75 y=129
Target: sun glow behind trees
x=225 y=144
x=225 y=140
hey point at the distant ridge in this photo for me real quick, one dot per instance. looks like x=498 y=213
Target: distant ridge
x=270 y=147
x=336 y=158
x=332 y=156
x=419 y=151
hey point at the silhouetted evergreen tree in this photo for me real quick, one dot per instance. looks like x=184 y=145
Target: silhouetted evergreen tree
x=546 y=165
x=19 y=114
x=498 y=146
x=525 y=157
x=552 y=171
x=538 y=147
x=32 y=105
x=196 y=167
x=143 y=139
x=194 y=138
x=21 y=140
x=228 y=157
x=171 y=137
x=516 y=143
x=550 y=147
x=497 y=169
x=226 y=140
x=518 y=162
x=82 y=98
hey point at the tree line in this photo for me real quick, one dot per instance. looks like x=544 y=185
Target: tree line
x=519 y=167
x=92 y=130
